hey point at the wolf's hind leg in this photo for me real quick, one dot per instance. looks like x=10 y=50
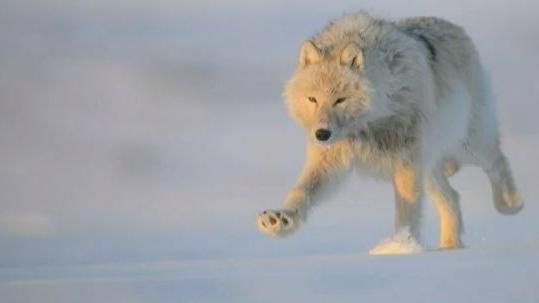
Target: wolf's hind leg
x=507 y=199
x=484 y=147
x=447 y=203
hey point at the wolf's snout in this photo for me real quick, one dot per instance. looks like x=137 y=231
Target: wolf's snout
x=322 y=134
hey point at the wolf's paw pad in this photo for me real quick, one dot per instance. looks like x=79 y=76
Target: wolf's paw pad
x=277 y=222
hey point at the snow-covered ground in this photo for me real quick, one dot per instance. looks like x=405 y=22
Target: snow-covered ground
x=138 y=139
x=482 y=274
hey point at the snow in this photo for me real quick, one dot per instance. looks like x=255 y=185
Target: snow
x=139 y=139
x=482 y=274
x=399 y=243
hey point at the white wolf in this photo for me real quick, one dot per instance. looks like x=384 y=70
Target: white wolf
x=406 y=101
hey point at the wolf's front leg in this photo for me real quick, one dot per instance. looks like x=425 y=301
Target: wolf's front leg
x=324 y=166
x=408 y=184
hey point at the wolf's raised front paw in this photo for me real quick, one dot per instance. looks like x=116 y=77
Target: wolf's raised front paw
x=278 y=222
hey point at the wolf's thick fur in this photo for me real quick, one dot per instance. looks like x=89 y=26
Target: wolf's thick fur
x=406 y=101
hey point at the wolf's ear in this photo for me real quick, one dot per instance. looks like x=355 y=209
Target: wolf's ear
x=351 y=56
x=309 y=54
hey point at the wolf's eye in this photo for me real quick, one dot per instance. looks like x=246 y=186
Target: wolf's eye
x=339 y=100
x=312 y=99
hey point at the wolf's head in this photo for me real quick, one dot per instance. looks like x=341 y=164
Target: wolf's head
x=329 y=93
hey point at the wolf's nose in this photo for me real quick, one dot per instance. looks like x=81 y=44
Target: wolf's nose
x=322 y=134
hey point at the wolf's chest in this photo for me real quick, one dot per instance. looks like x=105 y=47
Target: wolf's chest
x=379 y=155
